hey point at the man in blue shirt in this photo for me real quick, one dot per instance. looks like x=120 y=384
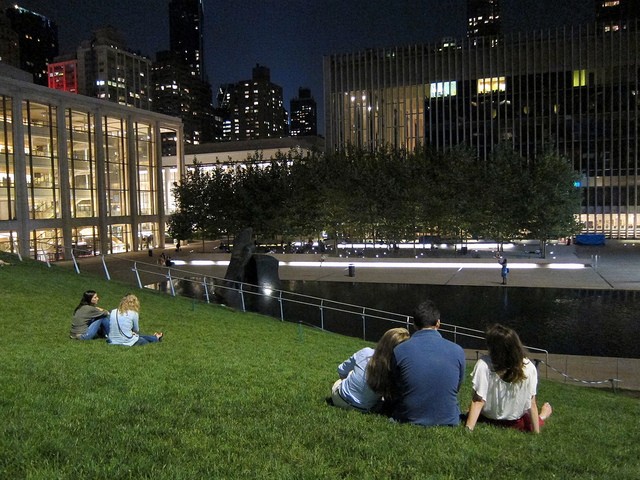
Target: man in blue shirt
x=428 y=371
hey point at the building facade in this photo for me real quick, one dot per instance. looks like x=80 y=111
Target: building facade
x=63 y=75
x=303 y=116
x=180 y=87
x=77 y=173
x=186 y=38
x=107 y=70
x=37 y=41
x=254 y=108
x=575 y=88
x=483 y=18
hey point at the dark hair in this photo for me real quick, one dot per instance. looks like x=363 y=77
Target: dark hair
x=426 y=315
x=86 y=299
x=506 y=352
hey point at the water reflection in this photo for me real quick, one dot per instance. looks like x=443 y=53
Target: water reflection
x=576 y=322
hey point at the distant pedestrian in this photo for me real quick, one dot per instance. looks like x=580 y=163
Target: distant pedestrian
x=504 y=272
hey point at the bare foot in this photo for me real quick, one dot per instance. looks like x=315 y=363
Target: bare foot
x=159 y=335
x=546 y=411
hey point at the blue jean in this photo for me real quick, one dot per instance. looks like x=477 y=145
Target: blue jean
x=98 y=328
x=144 y=339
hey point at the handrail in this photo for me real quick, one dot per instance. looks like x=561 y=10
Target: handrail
x=171 y=274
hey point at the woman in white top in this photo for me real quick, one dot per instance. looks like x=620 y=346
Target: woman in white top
x=123 y=324
x=505 y=384
x=365 y=376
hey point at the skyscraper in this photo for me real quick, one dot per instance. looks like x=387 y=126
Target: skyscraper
x=9 y=52
x=614 y=15
x=483 y=18
x=179 y=79
x=255 y=108
x=303 y=114
x=186 y=34
x=37 y=41
x=106 y=69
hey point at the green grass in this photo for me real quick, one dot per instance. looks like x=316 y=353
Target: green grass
x=232 y=395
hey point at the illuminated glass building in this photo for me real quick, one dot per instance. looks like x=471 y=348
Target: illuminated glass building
x=575 y=88
x=77 y=172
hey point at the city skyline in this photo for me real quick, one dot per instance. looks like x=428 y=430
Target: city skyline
x=291 y=37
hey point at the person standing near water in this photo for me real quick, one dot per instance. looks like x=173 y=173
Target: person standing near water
x=504 y=272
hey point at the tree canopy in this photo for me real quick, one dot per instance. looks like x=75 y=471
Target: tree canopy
x=385 y=195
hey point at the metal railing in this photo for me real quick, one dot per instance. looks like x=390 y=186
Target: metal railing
x=366 y=315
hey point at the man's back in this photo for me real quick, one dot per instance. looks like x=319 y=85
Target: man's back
x=428 y=371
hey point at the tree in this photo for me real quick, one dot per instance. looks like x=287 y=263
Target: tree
x=552 y=199
x=502 y=201
x=193 y=212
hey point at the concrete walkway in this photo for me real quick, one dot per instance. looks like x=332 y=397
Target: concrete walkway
x=615 y=266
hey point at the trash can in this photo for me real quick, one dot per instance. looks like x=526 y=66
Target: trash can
x=352 y=270
x=463 y=250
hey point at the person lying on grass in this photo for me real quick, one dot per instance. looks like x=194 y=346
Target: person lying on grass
x=123 y=324
x=505 y=384
x=365 y=376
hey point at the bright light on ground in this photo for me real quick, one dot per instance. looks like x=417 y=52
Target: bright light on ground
x=405 y=265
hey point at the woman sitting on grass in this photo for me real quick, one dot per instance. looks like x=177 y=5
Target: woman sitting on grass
x=365 y=376
x=123 y=324
x=89 y=320
x=505 y=384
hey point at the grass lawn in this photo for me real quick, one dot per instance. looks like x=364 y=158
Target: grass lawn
x=233 y=395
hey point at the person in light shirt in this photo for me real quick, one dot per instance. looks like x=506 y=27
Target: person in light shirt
x=505 y=385
x=123 y=324
x=365 y=382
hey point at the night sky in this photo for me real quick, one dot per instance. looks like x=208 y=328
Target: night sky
x=291 y=36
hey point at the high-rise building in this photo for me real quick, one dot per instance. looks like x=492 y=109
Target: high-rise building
x=106 y=69
x=574 y=88
x=9 y=51
x=614 y=15
x=179 y=81
x=178 y=93
x=303 y=114
x=63 y=75
x=483 y=18
x=254 y=108
x=186 y=34
x=37 y=41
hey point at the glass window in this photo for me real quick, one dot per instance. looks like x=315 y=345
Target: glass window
x=7 y=162
x=493 y=84
x=82 y=163
x=40 y=145
x=116 y=166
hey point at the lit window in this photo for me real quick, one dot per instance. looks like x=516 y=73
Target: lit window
x=443 y=89
x=493 y=84
x=579 y=78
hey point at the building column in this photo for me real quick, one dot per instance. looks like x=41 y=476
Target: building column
x=64 y=179
x=159 y=184
x=132 y=172
x=101 y=182
x=20 y=176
